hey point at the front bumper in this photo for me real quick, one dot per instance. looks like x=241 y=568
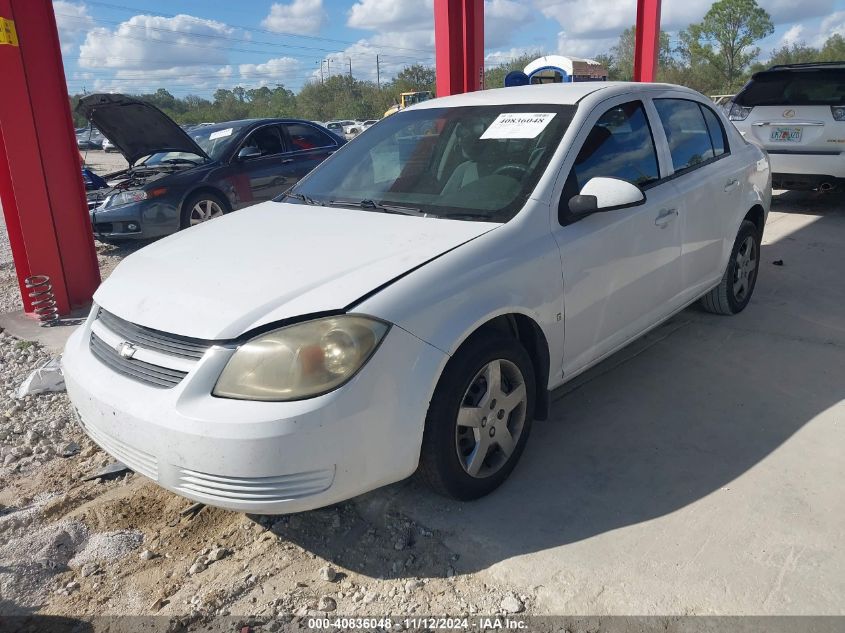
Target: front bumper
x=261 y=457
x=140 y=220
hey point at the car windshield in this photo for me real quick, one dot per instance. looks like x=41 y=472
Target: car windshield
x=795 y=88
x=213 y=139
x=477 y=162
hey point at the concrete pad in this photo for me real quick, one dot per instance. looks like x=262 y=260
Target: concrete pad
x=27 y=328
x=699 y=471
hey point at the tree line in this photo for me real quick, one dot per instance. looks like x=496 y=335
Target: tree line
x=714 y=56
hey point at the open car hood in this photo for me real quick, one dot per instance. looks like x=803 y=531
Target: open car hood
x=136 y=128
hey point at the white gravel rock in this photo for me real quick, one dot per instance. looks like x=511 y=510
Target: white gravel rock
x=511 y=604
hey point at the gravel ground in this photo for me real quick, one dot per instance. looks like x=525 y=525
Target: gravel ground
x=123 y=546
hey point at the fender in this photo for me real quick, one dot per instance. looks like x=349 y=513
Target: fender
x=433 y=302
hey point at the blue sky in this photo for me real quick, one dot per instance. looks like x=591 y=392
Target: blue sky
x=196 y=46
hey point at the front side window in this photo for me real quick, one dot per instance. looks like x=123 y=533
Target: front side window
x=266 y=140
x=619 y=145
x=303 y=137
x=474 y=162
x=686 y=132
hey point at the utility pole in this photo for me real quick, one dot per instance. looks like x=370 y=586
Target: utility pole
x=349 y=59
x=329 y=67
x=378 y=74
x=321 y=70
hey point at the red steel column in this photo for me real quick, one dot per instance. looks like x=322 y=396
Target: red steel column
x=647 y=42
x=459 y=45
x=41 y=187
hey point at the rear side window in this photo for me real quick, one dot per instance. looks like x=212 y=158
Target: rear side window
x=620 y=145
x=794 y=88
x=686 y=132
x=717 y=132
x=304 y=137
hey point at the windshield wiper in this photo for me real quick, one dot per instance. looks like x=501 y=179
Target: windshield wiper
x=377 y=206
x=302 y=197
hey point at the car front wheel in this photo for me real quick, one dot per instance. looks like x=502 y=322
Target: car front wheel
x=734 y=291
x=479 y=418
x=202 y=207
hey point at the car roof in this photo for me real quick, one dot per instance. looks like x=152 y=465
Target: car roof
x=562 y=93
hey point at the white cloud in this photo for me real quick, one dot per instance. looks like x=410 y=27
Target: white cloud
x=73 y=21
x=300 y=16
x=793 y=35
x=147 y=42
x=399 y=15
x=273 y=71
x=501 y=19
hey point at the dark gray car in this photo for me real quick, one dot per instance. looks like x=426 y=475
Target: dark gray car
x=179 y=178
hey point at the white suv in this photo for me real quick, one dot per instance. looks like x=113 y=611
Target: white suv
x=797 y=113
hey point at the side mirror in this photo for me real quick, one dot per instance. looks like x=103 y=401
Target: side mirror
x=605 y=194
x=248 y=152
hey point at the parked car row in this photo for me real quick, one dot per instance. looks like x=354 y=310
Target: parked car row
x=349 y=129
x=178 y=178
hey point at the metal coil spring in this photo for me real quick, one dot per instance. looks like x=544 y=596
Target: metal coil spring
x=42 y=299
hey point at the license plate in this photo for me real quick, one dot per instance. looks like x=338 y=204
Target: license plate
x=786 y=135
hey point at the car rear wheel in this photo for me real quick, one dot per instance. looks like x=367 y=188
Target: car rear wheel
x=202 y=207
x=479 y=418
x=734 y=291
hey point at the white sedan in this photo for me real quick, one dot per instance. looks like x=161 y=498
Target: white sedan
x=410 y=304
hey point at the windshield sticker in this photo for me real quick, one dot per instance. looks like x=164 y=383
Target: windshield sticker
x=220 y=133
x=518 y=125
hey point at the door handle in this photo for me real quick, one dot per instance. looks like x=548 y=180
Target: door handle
x=664 y=217
x=286 y=160
x=733 y=182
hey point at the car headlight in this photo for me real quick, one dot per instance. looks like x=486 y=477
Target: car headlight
x=301 y=361
x=838 y=113
x=135 y=195
x=738 y=112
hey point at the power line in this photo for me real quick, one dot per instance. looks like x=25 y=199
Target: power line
x=226 y=48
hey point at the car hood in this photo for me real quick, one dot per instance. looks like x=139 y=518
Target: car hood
x=134 y=127
x=271 y=262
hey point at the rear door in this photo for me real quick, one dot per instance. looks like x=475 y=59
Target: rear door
x=710 y=180
x=308 y=146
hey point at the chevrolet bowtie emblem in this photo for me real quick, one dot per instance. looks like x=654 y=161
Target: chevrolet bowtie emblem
x=126 y=350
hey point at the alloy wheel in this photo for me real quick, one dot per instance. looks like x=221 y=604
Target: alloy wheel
x=205 y=210
x=491 y=418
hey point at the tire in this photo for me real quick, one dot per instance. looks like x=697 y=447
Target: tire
x=732 y=295
x=206 y=200
x=448 y=448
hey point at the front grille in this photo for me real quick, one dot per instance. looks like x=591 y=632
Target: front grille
x=140 y=336
x=155 y=375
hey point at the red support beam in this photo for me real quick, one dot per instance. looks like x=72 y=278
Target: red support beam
x=459 y=45
x=647 y=42
x=41 y=187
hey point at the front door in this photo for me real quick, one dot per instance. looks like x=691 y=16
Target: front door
x=262 y=162
x=621 y=270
